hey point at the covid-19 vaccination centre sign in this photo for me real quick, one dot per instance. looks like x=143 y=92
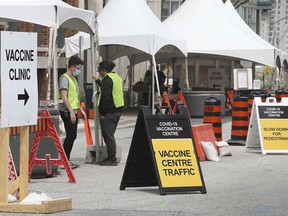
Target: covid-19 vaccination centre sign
x=19 y=90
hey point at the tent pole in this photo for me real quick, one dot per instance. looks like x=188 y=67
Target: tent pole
x=157 y=83
x=81 y=75
x=232 y=73
x=50 y=50
x=130 y=72
x=173 y=72
x=168 y=75
x=152 y=85
x=187 y=78
x=95 y=95
x=55 y=69
x=196 y=73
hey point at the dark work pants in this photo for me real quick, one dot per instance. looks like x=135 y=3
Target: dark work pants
x=108 y=127
x=71 y=133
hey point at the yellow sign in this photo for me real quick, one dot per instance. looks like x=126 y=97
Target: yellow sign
x=176 y=162
x=274 y=134
x=268 y=69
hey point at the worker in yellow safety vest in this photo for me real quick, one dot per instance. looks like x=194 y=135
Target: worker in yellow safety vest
x=110 y=104
x=69 y=94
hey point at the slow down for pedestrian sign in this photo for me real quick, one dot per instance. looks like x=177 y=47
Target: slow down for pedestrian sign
x=162 y=153
x=19 y=91
x=268 y=129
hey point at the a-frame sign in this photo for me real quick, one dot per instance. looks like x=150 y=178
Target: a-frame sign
x=162 y=153
x=268 y=127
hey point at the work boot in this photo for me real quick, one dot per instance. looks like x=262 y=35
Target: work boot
x=109 y=162
x=72 y=165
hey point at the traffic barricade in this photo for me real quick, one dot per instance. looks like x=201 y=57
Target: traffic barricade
x=180 y=102
x=46 y=145
x=88 y=134
x=165 y=101
x=240 y=121
x=203 y=132
x=48 y=162
x=212 y=114
x=280 y=94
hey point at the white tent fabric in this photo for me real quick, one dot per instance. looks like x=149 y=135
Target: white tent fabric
x=128 y=27
x=50 y=13
x=245 y=27
x=72 y=44
x=210 y=28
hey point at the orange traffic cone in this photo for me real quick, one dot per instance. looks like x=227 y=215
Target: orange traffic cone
x=89 y=139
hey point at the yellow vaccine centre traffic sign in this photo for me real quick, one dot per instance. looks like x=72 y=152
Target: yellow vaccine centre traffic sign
x=163 y=154
x=176 y=162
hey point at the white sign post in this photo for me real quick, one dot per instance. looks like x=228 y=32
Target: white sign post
x=19 y=90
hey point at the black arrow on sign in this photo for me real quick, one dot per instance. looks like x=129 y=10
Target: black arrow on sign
x=214 y=86
x=24 y=96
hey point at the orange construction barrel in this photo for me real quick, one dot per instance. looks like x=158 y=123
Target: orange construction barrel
x=264 y=95
x=252 y=95
x=280 y=94
x=212 y=114
x=240 y=121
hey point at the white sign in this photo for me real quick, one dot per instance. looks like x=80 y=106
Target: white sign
x=256 y=84
x=268 y=127
x=216 y=78
x=242 y=79
x=19 y=90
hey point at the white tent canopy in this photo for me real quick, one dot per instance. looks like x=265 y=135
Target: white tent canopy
x=278 y=53
x=211 y=29
x=128 y=27
x=50 y=13
x=72 y=44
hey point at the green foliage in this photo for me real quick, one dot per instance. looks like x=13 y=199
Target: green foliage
x=267 y=79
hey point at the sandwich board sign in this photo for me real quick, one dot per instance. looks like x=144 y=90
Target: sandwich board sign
x=19 y=89
x=268 y=128
x=162 y=153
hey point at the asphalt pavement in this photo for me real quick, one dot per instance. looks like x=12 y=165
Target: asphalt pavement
x=246 y=183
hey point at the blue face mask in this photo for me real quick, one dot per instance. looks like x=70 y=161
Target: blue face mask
x=76 y=72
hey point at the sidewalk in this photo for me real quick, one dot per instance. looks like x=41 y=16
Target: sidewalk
x=245 y=183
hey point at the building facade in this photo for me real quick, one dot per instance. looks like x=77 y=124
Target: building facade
x=278 y=24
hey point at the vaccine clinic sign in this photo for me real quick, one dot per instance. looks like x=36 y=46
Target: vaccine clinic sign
x=19 y=90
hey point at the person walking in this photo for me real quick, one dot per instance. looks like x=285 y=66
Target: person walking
x=69 y=94
x=161 y=78
x=110 y=104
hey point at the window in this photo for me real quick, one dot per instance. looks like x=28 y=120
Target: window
x=169 y=6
